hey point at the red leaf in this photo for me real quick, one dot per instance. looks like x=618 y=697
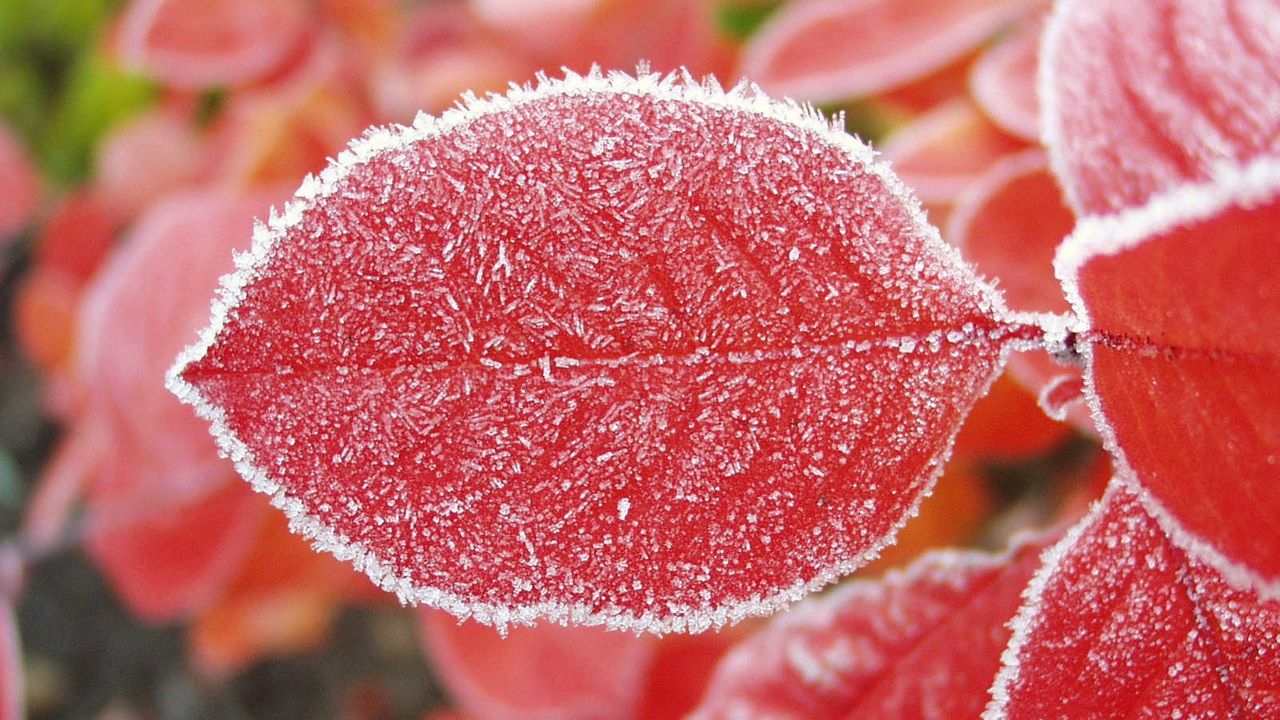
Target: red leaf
x=1181 y=305
x=193 y=44
x=12 y=702
x=1140 y=97
x=943 y=152
x=1003 y=81
x=834 y=50
x=1120 y=623
x=1009 y=224
x=923 y=643
x=21 y=186
x=168 y=565
x=612 y=350
x=546 y=672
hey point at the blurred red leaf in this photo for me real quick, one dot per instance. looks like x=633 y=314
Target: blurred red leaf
x=1003 y=81
x=147 y=158
x=942 y=152
x=71 y=246
x=921 y=643
x=1008 y=425
x=547 y=672
x=838 y=49
x=512 y=357
x=164 y=525
x=20 y=183
x=1120 y=623
x=1143 y=96
x=682 y=666
x=142 y=307
x=170 y=563
x=1182 y=304
x=282 y=599
x=194 y=44
x=12 y=703
x=441 y=51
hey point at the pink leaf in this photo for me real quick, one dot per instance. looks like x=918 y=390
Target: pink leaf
x=943 y=152
x=141 y=308
x=1003 y=81
x=614 y=350
x=923 y=643
x=192 y=44
x=20 y=183
x=546 y=672
x=831 y=50
x=1120 y=623
x=1180 y=309
x=12 y=702
x=147 y=158
x=1139 y=97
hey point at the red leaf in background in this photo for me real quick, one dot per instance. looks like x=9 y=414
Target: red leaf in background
x=442 y=51
x=945 y=150
x=1140 y=97
x=922 y=643
x=1180 y=305
x=76 y=237
x=159 y=490
x=147 y=158
x=614 y=34
x=168 y=563
x=621 y=351
x=547 y=672
x=839 y=49
x=12 y=701
x=194 y=44
x=141 y=308
x=282 y=600
x=681 y=668
x=1009 y=223
x=1120 y=623
x=1003 y=81
x=1007 y=425
x=20 y=183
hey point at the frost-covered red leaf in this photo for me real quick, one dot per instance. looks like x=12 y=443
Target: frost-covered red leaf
x=1120 y=623
x=922 y=643
x=1139 y=97
x=1180 y=304
x=838 y=49
x=615 y=350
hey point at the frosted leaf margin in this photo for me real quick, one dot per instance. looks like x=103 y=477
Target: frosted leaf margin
x=678 y=86
x=1105 y=235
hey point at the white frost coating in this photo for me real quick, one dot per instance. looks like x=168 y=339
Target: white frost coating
x=1025 y=622
x=745 y=98
x=1105 y=235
